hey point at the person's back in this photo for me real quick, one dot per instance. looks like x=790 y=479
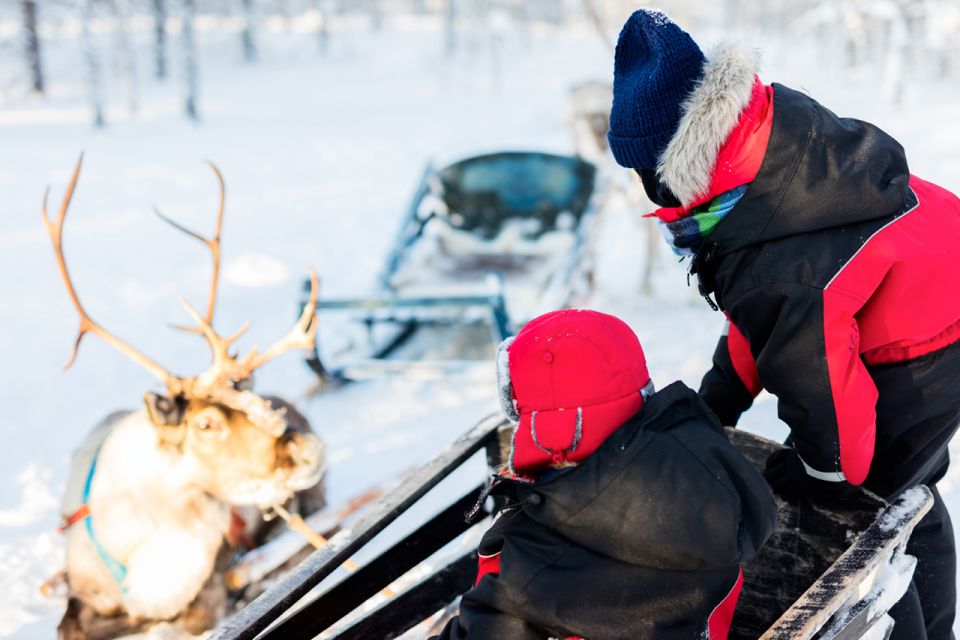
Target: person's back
x=627 y=512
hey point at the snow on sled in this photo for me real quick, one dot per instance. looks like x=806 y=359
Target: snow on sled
x=831 y=571
x=487 y=243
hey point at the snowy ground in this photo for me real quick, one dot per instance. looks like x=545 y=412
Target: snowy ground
x=320 y=156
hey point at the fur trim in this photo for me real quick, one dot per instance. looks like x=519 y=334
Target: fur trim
x=710 y=113
x=504 y=384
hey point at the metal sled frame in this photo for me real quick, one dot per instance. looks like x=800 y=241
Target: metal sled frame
x=416 y=312
x=840 y=605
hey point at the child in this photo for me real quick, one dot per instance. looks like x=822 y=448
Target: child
x=836 y=268
x=628 y=513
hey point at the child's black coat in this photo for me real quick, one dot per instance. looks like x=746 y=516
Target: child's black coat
x=642 y=540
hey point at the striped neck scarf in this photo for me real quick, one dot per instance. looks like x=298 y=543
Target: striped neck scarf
x=687 y=234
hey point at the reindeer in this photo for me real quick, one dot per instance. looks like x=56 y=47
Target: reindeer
x=149 y=493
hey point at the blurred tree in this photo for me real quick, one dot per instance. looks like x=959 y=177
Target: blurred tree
x=190 y=62
x=375 y=12
x=451 y=27
x=92 y=58
x=32 y=41
x=597 y=19
x=126 y=60
x=325 y=9
x=160 y=39
x=247 y=35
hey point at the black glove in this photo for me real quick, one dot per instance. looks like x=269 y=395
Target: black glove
x=789 y=480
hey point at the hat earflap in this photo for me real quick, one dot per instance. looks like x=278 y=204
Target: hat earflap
x=504 y=384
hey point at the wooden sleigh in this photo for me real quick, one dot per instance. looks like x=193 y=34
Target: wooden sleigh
x=830 y=572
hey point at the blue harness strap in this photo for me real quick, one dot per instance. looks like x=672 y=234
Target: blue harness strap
x=117 y=570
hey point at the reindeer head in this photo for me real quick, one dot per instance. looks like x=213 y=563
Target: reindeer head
x=246 y=448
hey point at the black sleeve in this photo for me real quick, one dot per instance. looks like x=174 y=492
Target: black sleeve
x=492 y=609
x=829 y=406
x=722 y=388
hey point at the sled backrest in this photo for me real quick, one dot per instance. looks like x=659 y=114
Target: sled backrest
x=852 y=598
x=777 y=603
x=812 y=577
x=484 y=192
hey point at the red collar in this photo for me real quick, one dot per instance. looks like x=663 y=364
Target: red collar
x=740 y=157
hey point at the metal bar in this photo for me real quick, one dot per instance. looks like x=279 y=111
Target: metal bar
x=407 y=329
x=415 y=369
x=398 y=615
x=404 y=237
x=271 y=604
x=391 y=302
x=311 y=619
x=500 y=318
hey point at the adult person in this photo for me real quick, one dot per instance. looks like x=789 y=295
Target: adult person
x=836 y=267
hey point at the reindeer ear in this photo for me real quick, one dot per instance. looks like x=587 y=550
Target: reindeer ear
x=166 y=414
x=164 y=411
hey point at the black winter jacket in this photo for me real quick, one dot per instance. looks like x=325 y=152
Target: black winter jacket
x=642 y=540
x=838 y=271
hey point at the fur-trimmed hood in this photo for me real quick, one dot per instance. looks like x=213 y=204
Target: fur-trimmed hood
x=709 y=115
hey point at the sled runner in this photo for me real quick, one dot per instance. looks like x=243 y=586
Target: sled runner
x=830 y=572
x=490 y=240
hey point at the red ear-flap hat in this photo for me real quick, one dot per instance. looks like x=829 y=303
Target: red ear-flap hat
x=569 y=379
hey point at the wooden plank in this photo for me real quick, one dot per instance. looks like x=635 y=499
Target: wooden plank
x=889 y=581
x=283 y=595
x=811 y=535
x=835 y=587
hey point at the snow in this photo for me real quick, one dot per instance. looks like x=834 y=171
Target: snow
x=892 y=582
x=907 y=505
x=320 y=156
x=882 y=589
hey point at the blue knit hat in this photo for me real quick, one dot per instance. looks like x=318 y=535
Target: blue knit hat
x=655 y=68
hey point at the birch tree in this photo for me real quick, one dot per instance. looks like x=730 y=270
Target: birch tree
x=160 y=39
x=247 y=35
x=450 y=27
x=126 y=58
x=91 y=56
x=325 y=9
x=190 y=62
x=32 y=45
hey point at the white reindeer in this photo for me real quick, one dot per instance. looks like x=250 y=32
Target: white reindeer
x=148 y=500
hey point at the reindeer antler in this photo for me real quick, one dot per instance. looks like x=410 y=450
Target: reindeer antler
x=219 y=345
x=87 y=325
x=302 y=336
x=218 y=384
x=212 y=243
